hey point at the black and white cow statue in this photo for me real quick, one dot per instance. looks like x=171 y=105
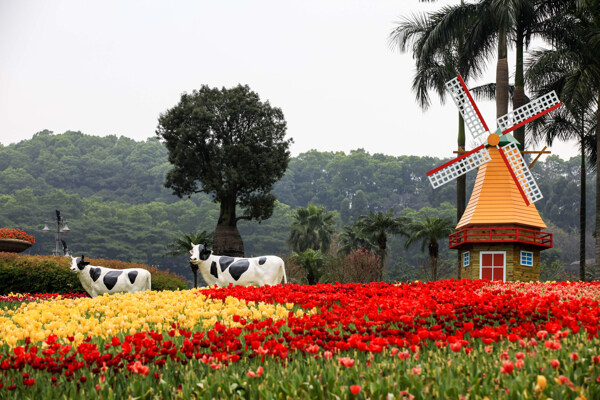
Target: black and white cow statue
x=223 y=270
x=99 y=280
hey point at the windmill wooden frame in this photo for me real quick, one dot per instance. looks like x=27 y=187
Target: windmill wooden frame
x=478 y=128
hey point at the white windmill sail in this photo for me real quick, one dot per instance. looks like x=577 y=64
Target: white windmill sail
x=467 y=107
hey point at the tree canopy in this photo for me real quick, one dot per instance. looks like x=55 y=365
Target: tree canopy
x=230 y=145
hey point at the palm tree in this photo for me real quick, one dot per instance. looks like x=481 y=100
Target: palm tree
x=312 y=261
x=571 y=69
x=493 y=24
x=434 y=69
x=587 y=23
x=378 y=226
x=352 y=238
x=565 y=124
x=182 y=244
x=312 y=228
x=429 y=231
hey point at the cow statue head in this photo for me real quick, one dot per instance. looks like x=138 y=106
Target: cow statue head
x=78 y=263
x=199 y=253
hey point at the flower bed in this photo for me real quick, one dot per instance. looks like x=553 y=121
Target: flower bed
x=449 y=339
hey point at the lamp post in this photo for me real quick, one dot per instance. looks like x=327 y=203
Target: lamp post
x=61 y=229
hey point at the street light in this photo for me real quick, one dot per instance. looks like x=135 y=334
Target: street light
x=61 y=229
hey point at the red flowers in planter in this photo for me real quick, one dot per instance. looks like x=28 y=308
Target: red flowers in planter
x=12 y=233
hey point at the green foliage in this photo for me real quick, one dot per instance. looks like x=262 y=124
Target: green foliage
x=312 y=262
x=376 y=227
x=228 y=141
x=50 y=274
x=429 y=231
x=312 y=228
x=182 y=243
x=114 y=168
x=108 y=221
x=353 y=238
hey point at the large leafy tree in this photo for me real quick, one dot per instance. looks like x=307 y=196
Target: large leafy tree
x=429 y=231
x=231 y=145
x=376 y=226
x=312 y=228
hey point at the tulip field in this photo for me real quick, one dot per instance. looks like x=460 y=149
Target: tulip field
x=438 y=340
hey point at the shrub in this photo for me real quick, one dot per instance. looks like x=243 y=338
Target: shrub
x=311 y=265
x=51 y=274
x=359 y=266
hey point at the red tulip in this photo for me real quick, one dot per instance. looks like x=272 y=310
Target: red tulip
x=346 y=361
x=507 y=367
x=355 y=389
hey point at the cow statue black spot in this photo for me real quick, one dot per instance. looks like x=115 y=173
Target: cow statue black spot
x=223 y=270
x=99 y=280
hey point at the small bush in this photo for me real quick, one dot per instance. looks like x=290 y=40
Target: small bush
x=359 y=266
x=51 y=274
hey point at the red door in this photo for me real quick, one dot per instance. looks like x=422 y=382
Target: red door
x=492 y=266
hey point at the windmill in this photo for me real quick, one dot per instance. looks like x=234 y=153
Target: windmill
x=480 y=155
x=500 y=233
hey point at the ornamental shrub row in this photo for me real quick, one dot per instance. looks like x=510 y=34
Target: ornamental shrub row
x=51 y=274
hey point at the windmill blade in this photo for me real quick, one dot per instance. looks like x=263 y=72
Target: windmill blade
x=527 y=113
x=467 y=107
x=459 y=166
x=520 y=173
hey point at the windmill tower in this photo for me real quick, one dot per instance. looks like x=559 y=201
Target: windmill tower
x=500 y=233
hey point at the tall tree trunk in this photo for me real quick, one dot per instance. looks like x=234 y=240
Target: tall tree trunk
x=597 y=227
x=194 y=268
x=519 y=96
x=434 y=252
x=227 y=240
x=461 y=190
x=381 y=266
x=502 y=75
x=382 y=242
x=582 y=212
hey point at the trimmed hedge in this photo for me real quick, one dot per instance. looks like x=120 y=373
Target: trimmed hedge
x=50 y=274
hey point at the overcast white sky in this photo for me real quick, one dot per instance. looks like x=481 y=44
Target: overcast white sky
x=112 y=66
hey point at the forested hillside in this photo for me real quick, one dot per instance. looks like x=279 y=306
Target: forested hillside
x=110 y=189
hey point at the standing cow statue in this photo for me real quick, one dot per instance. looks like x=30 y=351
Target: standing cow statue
x=223 y=270
x=99 y=280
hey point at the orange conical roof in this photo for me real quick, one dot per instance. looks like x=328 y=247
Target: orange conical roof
x=496 y=198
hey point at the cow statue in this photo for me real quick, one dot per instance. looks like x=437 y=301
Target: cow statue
x=99 y=280
x=223 y=270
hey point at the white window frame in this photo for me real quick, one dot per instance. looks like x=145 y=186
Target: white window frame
x=526 y=254
x=481 y=253
x=466 y=259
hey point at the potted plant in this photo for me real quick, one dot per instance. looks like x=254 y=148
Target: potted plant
x=15 y=240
